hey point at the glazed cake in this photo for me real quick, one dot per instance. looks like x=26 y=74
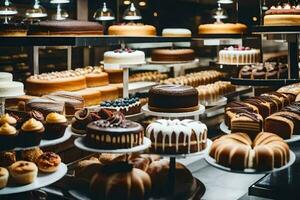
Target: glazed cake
x=124 y=56
x=177 y=137
x=161 y=98
x=114 y=133
x=237 y=151
x=132 y=29
x=239 y=55
x=127 y=106
x=282 y=15
x=222 y=28
x=66 y=27
x=176 y=32
x=173 y=55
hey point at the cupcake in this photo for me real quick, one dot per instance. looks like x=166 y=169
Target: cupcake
x=48 y=162
x=6 y=118
x=8 y=137
x=55 y=126
x=31 y=155
x=31 y=133
x=3 y=177
x=7 y=158
x=23 y=172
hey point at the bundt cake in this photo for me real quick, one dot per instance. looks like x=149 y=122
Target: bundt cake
x=237 y=151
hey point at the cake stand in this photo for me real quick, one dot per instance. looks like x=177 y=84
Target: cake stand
x=293 y=139
x=211 y=161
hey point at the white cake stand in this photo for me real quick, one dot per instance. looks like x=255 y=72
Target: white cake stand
x=42 y=180
x=213 y=163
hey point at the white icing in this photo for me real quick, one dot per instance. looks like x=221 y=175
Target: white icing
x=169 y=127
x=134 y=57
x=176 y=31
x=235 y=56
x=5 y=77
x=11 y=89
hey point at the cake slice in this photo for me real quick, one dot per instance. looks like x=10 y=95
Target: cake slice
x=280 y=125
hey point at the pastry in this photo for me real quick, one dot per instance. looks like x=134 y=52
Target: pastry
x=45 y=106
x=4 y=175
x=176 y=32
x=237 y=151
x=293 y=89
x=95 y=77
x=175 y=55
x=48 y=162
x=114 y=133
x=65 y=27
x=6 y=77
x=31 y=155
x=124 y=56
x=177 y=137
x=8 y=137
x=23 y=172
x=147 y=76
x=282 y=15
x=161 y=98
x=6 y=118
x=132 y=29
x=127 y=106
x=31 y=133
x=222 y=28
x=55 y=126
x=7 y=158
x=239 y=55
x=108 y=92
x=120 y=181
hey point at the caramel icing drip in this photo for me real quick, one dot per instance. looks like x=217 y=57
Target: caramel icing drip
x=22 y=167
x=7 y=119
x=116 y=120
x=7 y=129
x=32 y=125
x=55 y=118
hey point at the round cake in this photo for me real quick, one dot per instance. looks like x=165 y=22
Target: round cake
x=132 y=29
x=283 y=15
x=177 y=137
x=237 y=151
x=239 y=55
x=6 y=77
x=124 y=56
x=173 y=98
x=114 y=133
x=176 y=32
x=220 y=28
x=11 y=89
x=66 y=27
x=173 y=55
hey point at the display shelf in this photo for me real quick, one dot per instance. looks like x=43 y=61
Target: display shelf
x=263 y=29
x=273 y=82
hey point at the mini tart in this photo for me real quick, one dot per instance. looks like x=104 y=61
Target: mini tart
x=8 y=136
x=55 y=126
x=48 y=162
x=31 y=133
x=23 y=172
x=6 y=118
x=4 y=174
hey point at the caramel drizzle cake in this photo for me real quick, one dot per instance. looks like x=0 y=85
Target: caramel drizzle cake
x=286 y=14
x=239 y=55
x=175 y=136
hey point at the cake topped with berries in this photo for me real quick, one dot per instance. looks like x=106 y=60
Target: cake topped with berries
x=239 y=55
x=124 y=56
x=283 y=14
x=127 y=106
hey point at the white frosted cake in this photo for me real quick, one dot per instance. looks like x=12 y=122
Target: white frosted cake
x=176 y=32
x=239 y=55
x=11 y=89
x=124 y=56
x=5 y=77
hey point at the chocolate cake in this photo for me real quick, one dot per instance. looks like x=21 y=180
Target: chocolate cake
x=173 y=98
x=173 y=55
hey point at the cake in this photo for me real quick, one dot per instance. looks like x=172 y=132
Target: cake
x=239 y=55
x=6 y=77
x=282 y=15
x=293 y=89
x=132 y=29
x=124 y=56
x=45 y=106
x=237 y=151
x=161 y=98
x=176 y=32
x=114 y=133
x=66 y=27
x=91 y=96
x=23 y=172
x=175 y=55
x=222 y=28
x=177 y=137
x=127 y=106
x=48 y=162
x=55 y=126
x=147 y=76
x=264 y=71
x=13 y=29
x=108 y=92
x=11 y=89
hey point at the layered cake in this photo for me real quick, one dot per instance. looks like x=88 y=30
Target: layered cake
x=239 y=55
x=176 y=32
x=264 y=71
x=148 y=76
x=65 y=27
x=91 y=96
x=161 y=98
x=237 y=151
x=114 y=133
x=132 y=29
x=282 y=15
x=173 y=55
x=220 y=28
x=124 y=56
x=127 y=106
x=177 y=137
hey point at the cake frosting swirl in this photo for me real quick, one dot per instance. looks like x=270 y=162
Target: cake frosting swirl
x=55 y=118
x=32 y=125
x=6 y=118
x=7 y=129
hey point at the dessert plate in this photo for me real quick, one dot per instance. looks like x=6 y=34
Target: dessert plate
x=294 y=138
x=79 y=143
x=47 y=143
x=41 y=181
x=200 y=111
x=213 y=163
